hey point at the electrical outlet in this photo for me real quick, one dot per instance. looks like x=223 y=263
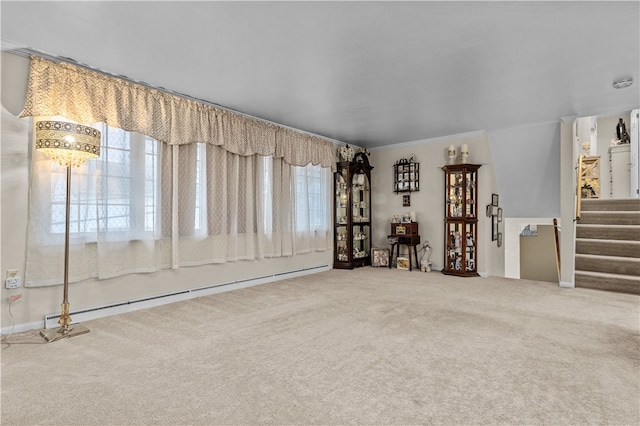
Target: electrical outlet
x=13 y=273
x=13 y=282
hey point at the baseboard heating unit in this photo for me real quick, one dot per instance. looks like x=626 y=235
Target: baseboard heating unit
x=82 y=315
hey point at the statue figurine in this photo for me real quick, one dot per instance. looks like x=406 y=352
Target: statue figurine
x=621 y=132
x=469 y=239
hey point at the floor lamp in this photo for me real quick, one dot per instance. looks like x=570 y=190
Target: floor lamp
x=70 y=145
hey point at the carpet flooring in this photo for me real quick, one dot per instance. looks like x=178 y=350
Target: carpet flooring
x=368 y=346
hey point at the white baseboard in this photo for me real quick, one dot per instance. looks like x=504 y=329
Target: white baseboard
x=567 y=284
x=21 y=328
x=82 y=315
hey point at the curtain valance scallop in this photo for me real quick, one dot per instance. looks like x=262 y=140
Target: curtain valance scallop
x=87 y=96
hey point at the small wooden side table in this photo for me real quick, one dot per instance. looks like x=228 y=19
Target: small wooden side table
x=409 y=241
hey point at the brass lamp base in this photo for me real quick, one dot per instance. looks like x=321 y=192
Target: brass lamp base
x=54 y=334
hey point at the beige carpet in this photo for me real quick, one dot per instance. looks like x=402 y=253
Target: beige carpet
x=369 y=346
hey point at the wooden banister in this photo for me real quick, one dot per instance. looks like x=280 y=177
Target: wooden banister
x=579 y=188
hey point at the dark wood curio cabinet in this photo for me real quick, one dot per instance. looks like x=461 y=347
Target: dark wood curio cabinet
x=461 y=219
x=352 y=213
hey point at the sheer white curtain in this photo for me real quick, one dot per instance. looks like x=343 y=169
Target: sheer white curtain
x=253 y=207
x=115 y=217
x=218 y=187
x=144 y=205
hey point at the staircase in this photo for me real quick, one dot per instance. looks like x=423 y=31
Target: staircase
x=608 y=245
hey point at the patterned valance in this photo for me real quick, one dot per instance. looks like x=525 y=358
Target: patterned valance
x=86 y=96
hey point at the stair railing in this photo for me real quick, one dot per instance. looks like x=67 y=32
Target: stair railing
x=579 y=188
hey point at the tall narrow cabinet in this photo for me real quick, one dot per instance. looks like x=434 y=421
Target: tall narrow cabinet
x=461 y=219
x=352 y=213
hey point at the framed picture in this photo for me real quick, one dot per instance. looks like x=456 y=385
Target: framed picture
x=401 y=230
x=494 y=200
x=494 y=228
x=406 y=200
x=499 y=239
x=380 y=257
x=499 y=214
x=403 y=263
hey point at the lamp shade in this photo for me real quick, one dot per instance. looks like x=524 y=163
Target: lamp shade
x=69 y=144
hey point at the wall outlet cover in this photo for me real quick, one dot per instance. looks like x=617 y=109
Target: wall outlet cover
x=13 y=282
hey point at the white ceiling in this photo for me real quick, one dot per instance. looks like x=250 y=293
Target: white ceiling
x=366 y=73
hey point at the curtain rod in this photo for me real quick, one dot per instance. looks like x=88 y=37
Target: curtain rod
x=28 y=52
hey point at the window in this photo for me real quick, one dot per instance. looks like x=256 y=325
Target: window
x=228 y=208
x=311 y=198
x=311 y=191
x=200 y=224
x=123 y=202
x=126 y=197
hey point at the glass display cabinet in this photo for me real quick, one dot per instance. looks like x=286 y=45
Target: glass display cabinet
x=352 y=213
x=461 y=219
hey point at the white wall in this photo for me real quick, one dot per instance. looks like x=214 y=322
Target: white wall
x=36 y=302
x=512 y=251
x=569 y=151
x=428 y=203
x=527 y=161
x=584 y=134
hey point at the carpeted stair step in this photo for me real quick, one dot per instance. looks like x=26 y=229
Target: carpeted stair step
x=608 y=264
x=603 y=204
x=619 y=248
x=608 y=232
x=608 y=245
x=610 y=282
x=610 y=217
